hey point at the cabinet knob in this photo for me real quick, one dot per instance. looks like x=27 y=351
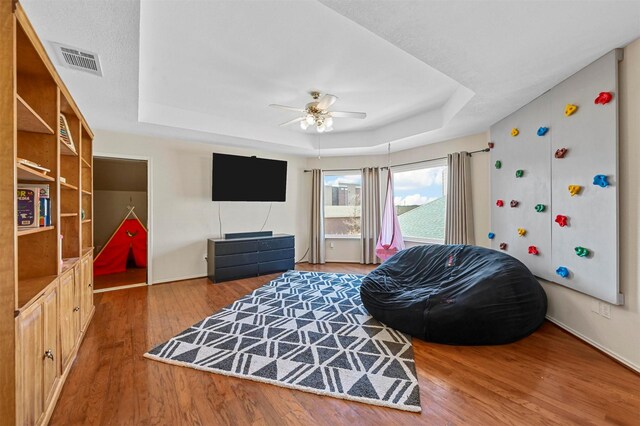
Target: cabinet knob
x=49 y=354
x=90 y=285
x=76 y=309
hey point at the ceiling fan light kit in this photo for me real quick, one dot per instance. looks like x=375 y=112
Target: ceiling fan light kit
x=317 y=113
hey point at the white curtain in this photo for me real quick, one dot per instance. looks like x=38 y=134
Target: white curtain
x=459 y=215
x=316 y=250
x=370 y=217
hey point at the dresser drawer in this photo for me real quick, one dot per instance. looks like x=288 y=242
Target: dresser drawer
x=235 y=272
x=271 y=255
x=275 y=244
x=226 y=248
x=236 y=259
x=276 y=266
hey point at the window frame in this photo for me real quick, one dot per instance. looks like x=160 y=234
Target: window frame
x=341 y=172
x=427 y=164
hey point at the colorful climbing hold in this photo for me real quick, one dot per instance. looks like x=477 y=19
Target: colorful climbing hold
x=560 y=153
x=514 y=203
x=491 y=145
x=561 y=220
x=498 y=164
x=499 y=203
x=574 y=190
x=515 y=132
x=540 y=208
x=503 y=246
x=581 y=251
x=570 y=109
x=601 y=181
x=491 y=235
x=603 y=98
x=522 y=232
x=542 y=131
x=563 y=272
x=519 y=173
x=533 y=250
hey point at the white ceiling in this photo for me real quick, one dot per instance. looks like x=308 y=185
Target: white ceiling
x=424 y=71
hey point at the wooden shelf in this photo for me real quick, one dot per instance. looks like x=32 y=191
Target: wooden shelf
x=69 y=263
x=68 y=186
x=86 y=221
x=65 y=150
x=86 y=163
x=29 y=174
x=29 y=120
x=68 y=214
x=85 y=192
x=30 y=289
x=22 y=232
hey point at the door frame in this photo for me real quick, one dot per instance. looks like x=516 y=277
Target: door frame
x=149 y=161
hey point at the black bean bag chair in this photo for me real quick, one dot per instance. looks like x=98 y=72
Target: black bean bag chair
x=455 y=294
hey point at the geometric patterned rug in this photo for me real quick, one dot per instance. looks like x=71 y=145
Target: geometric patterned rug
x=305 y=331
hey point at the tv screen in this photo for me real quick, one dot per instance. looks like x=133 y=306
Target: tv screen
x=237 y=178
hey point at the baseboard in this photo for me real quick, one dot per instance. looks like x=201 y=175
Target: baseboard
x=622 y=360
x=184 y=278
x=120 y=287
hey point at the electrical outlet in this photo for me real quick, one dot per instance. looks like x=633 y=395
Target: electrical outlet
x=331 y=244
x=605 y=310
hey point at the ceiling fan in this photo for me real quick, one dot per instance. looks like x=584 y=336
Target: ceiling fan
x=316 y=113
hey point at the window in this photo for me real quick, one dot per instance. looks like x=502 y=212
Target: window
x=420 y=201
x=342 y=205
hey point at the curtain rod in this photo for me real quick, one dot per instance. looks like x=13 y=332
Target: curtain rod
x=404 y=164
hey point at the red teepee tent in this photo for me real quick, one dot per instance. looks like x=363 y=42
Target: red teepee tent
x=129 y=238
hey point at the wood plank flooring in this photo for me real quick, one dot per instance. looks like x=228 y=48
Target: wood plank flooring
x=548 y=378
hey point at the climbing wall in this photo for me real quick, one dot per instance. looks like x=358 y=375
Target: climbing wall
x=554 y=182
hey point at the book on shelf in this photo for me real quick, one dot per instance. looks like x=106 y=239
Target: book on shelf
x=33 y=165
x=65 y=136
x=28 y=207
x=45 y=203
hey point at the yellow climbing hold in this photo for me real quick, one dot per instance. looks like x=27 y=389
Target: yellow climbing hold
x=570 y=109
x=574 y=189
x=522 y=232
x=515 y=132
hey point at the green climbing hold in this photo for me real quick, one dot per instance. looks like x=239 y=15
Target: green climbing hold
x=581 y=251
x=498 y=164
x=540 y=208
x=519 y=173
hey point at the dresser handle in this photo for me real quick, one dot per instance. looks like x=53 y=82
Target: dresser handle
x=76 y=309
x=49 y=354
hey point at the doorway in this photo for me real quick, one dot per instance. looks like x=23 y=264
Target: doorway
x=120 y=196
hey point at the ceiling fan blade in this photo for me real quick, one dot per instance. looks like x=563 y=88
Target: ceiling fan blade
x=347 y=114
x=326 y=101
x=295 y=120
x=287 y=108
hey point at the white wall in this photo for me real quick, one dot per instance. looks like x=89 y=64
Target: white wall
x=620 y=335
x=348 y=250
x=182 y=215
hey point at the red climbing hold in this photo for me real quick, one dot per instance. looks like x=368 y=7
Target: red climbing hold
x=503 y=246
x=491 y=145
x=533 y=250
x=603 y=98
x=560 y=153
x=561 y=220
x=499 y=203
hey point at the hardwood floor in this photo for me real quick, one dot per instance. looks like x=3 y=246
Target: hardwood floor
x=548 y=378
x=129 y=277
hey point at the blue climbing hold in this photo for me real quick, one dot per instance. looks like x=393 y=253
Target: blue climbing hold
x=601 y=181
x=562 y=271
x=491 y=235
x=542 y=131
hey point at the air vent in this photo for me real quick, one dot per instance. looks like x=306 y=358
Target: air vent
x=78 y=59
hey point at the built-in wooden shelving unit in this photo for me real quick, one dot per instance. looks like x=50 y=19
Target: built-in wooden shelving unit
x=49 y=267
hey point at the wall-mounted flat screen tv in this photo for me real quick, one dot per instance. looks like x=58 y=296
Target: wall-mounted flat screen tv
x=237 y=178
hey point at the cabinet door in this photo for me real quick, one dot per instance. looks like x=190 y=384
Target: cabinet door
x=87 y=289
x=30 y=354
x=77 y=300
x=67 y=314
x=51 y=359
